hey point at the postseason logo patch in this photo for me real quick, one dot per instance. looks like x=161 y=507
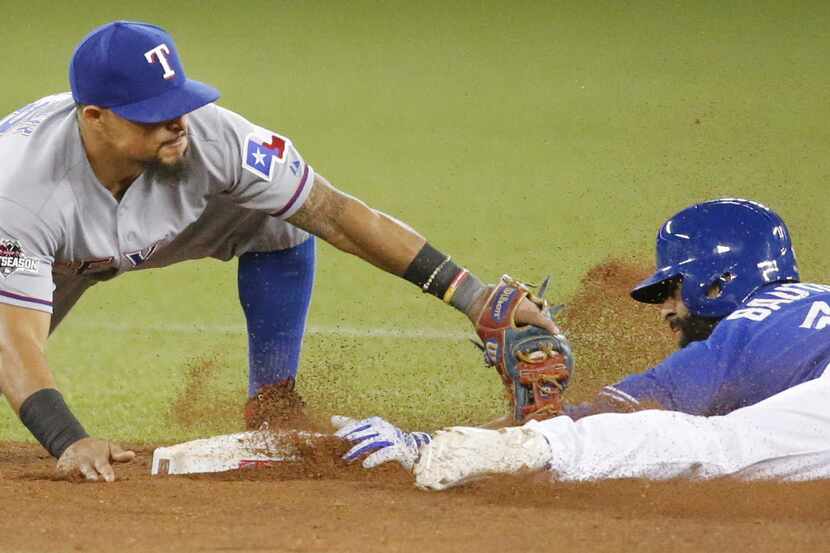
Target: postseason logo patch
x=263 y=151
x=13 y=259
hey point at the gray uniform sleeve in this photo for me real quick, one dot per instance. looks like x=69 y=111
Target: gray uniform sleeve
x=27 y=248
x=263 y=169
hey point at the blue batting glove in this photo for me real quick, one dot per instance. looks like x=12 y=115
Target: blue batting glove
x=379 y=441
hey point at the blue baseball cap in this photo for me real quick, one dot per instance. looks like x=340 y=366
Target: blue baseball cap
x=134 y=69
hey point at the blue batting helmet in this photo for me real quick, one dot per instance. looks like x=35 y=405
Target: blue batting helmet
x=739 y=244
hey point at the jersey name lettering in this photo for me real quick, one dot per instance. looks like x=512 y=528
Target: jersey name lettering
x=759 y=309
x=25 y=120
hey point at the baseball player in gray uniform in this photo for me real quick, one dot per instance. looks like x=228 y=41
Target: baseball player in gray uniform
x=138 y=168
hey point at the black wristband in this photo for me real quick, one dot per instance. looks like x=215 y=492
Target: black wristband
x=49 y=419
x=423 y=265
x=432 y=271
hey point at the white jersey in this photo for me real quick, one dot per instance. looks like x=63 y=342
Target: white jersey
x=61 y=230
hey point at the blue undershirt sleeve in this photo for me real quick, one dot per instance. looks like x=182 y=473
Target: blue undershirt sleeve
x=686 y=381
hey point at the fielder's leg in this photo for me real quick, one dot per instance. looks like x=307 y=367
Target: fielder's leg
x=275 y=291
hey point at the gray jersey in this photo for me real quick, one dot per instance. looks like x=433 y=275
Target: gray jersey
x=61 y=230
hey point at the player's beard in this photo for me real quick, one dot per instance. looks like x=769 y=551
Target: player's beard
x=693 y=328
x=156 y=170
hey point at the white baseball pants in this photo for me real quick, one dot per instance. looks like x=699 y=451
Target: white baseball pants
x=784 y=437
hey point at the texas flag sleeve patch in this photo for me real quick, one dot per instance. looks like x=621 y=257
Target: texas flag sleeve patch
x=263 y=152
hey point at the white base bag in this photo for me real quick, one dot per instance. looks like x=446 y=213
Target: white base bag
x=227 y=452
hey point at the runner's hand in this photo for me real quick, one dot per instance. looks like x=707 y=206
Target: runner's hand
x=376 y=441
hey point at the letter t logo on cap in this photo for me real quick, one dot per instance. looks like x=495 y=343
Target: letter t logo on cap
x=158 y=53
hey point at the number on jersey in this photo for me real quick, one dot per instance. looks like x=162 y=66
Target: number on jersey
x=818 y=317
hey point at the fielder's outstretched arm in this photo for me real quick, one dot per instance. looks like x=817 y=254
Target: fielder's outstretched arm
x=29 y=387
x=350 y=225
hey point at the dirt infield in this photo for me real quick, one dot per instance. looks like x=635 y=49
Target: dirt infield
x=322 y=505
x=352 y=511
x=611 y=334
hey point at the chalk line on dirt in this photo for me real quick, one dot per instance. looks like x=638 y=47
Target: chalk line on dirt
x=344 y=331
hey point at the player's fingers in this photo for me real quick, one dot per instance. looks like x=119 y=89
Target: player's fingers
x=69 y=466
x=360 y=449
x=548 y=325
x=104 y=468
x=350 y=429
x=120 y=455
x=364 y=448
x=530 y=314
x=544 y=322
x=88 y=471
x=537 y=319
x=379 y=457
x=340 y=421
x=363 y=433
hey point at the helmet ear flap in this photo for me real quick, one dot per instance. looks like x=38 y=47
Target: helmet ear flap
x=690 y=292
x=708 y=297
x=718 y=287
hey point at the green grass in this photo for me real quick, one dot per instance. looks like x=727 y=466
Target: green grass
x=527 y=137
